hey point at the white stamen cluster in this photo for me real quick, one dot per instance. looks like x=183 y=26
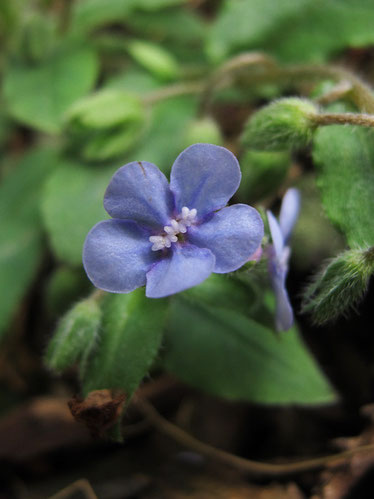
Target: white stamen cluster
x=177 y=226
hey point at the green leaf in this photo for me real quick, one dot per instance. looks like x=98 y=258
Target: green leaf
x=155 y=4
x=65 y=286
x=20 y=229
x=154 y=58
x=229 y=355
x=106 y=124
x=91 y=14
x=39 y=95
x=241 y=24
x=203 y=130
x=132 y=331
x=314 y=238
x=236 y=292
x=105 y=108
x=72 y=205
x=75 y=336
x=88 y=15
x=134 y=80
x=345 y=160
x=309 y=32
x=175 y=26
x=262 y=174
x=170 y=118
x=112 y=143
x=250 y=24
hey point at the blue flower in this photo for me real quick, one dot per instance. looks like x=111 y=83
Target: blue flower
x=171 y=238
x=279 y=254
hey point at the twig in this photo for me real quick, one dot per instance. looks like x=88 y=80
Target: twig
x=82 y=485
x=266 y=70
x=173 y=91
x=240 y=463
x=339 y=91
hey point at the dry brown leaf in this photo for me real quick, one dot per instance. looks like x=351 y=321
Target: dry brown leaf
x=99 y=411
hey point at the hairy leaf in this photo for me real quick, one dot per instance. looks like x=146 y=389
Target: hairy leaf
x=132 y=330
x=345 y=159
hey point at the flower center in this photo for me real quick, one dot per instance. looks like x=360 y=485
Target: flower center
x=177 y=226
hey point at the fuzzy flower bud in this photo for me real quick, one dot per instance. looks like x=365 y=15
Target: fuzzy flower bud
x=282 y=125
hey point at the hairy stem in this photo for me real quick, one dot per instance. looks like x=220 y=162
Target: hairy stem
x=267 y=70
x=240 y=463
x=343 y=119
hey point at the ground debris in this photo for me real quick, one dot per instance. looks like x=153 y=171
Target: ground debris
x=42 y=425
x=99 y=411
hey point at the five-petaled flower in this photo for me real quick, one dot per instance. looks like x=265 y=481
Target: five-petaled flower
x=279 y=254
x=171 y=238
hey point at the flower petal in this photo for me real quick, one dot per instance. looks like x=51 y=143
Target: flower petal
x=204 y=177
x=116 y=255
x=232 y=234
x=139 y=191
x=284 y=313
x=276 y=234
x=289 y=212
x=185 y=266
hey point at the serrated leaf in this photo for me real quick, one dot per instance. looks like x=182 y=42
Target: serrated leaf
x=132 y=331
x=345 y=160
x=249 y=24
x=229 y=355
x=72 y=204
x=21 y=229
x=38 y=96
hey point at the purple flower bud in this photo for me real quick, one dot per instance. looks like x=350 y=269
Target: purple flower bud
x=171 y=238
x=279 y=254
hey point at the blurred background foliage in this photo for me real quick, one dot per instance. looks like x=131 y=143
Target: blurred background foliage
x=89 y=85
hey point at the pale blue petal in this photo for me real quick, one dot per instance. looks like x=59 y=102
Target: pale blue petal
x=232 y=234
x=117 y=255
x=276 y=234
x=139 y=191
x=183 y=267
x=204 y=177
x=283 y=313
x=289 y=212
